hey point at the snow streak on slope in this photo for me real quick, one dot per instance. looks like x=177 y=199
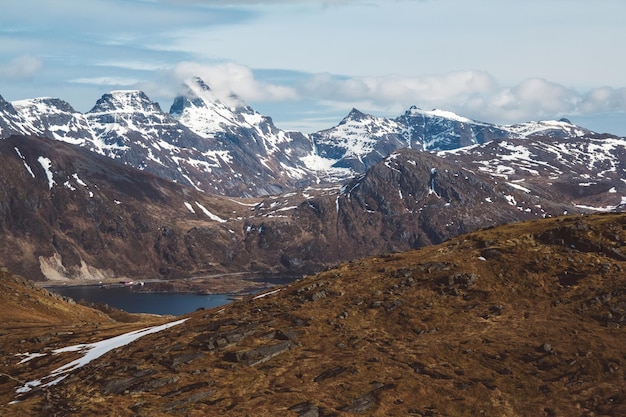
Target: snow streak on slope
x=90 y=352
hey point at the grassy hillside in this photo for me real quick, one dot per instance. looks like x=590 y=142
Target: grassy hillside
x=520 y=320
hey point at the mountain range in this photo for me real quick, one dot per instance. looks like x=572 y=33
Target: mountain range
x=214 y=187
x=418 y=284
x=225 y=147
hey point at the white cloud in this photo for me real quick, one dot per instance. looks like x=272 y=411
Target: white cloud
x=133 y=65
x=22 y=68
x=107 y=81
x=393 y=89
x=471 y=93
x=228 y=78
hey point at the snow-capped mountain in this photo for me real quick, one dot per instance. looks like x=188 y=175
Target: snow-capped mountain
x=440 y=130
x=224 y=146
x=12 y=122
x=561 y=129
x=361 y=140
x=56 y=119
x=246 y=156
x=589 y=173
x=272 y=152
x=133 y=129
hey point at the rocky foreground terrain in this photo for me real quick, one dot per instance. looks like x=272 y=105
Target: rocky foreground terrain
x=518 y=320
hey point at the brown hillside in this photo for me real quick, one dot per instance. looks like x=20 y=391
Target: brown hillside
x=519 y=320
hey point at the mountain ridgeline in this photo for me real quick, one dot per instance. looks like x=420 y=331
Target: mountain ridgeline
x=127 y=190
x=225 y=147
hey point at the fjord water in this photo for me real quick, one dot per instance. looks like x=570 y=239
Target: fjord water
x=155 y=303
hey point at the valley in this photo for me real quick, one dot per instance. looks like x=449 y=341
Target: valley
x=523 y=319
x=435 y=265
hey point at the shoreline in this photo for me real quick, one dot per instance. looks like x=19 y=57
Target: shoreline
x=234 y=285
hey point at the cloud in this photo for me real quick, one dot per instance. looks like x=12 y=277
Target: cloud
x=107 y=81
x=228 y=78
x=536 y=98
x=393 y=89
x=474 y=94
x=23 y=68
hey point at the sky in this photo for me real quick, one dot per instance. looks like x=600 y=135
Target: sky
x=307 y=63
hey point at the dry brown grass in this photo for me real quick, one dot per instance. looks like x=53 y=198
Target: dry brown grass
x=520 y=320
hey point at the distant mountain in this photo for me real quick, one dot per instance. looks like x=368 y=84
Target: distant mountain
x=587 y=172
x=254 y=158
x=224 y=146
x=67 y=212
x=361 y=140
x=57 y=119
x=267 y=159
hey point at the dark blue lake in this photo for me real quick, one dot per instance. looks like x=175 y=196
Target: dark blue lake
x=124 y=299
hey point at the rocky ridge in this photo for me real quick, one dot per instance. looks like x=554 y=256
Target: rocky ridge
x=68 y=213
x=519 y=320
x=223 y=146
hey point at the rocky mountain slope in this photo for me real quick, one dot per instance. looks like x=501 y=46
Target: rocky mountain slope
x=520 y=320
x=68 y=213
x=223 y=146
x=361 y=140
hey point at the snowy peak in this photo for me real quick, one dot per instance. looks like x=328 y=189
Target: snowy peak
x=556 y=129
x=10 y=120
x=45 y=104
x=125 y=101
x=358 y=141
x=355 y=115
x=57 y=119
x=206 y=114
x=437 y=114
x=440 y=130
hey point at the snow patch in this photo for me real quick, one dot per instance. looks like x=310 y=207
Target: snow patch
x=30 y=171
x=90 y=352
x=519 y=187
x=265 y=294
x=189 y=207
x=209 y=214
x=46 y=165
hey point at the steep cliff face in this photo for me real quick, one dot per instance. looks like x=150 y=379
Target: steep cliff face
x=11 y=122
